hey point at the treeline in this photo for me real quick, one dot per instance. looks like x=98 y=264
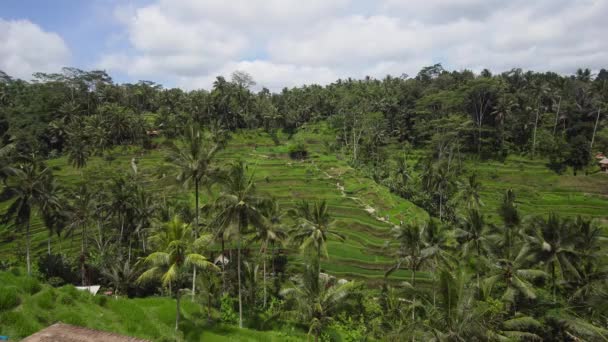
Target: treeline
x=538 y=114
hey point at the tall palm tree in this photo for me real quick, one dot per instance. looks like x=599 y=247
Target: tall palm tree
x=511 y=220
x=410 y=248
x=435 y=243
x=473 y=236
x=515 y=276
x=550 y=241
x=469 y=192
x=270 y=233
x=192 y=157
x=81 y=212
x=456 y=318
x=237 y=211
x=28 y=189
x=313 y=227
x=171 y=263
x=316 y=299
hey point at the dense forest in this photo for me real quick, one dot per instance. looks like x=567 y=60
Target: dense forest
x=198 y=227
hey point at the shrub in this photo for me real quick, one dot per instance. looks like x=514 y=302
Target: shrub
x=227 y=308
x=8 y=298
x=298 y=150
x=55 y=266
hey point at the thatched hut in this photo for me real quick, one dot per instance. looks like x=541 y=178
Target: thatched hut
x=604 y=164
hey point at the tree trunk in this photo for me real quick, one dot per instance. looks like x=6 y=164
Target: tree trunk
x=176 y=309
x=597 y=120
x=195 y=236
x=209 y=304
x=535 y=126
x=82 y=269
x=27 y=249
x=48 y=244
x=223 y=261
x=559 y=104
x=238 y=261
x=264 y=256
x=553 y=281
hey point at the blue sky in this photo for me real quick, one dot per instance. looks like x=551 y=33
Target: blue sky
x=187 y=43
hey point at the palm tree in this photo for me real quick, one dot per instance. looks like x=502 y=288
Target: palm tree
x=28 y=189
x=270 y=232
x=510 y=217
x=435 y=243
x=551 y=242
x=121 y=274
x=81 y=211
x=456 y=318
x=176 y=256
x=313 y=228
x=410 y=242
x=316 y=299
x=469 y=192
x=192 y=157
x=473 y=236
x=515 y=276
x=238 y=210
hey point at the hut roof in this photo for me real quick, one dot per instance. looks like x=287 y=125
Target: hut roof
x=221 y=260
x=604 y=161
x=60 y=332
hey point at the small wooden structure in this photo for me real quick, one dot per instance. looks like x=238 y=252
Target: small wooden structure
x=60 y=332
x=603 y=164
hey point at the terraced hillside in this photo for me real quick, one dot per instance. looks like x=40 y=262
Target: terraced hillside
x=540 y=190
x=362 y=209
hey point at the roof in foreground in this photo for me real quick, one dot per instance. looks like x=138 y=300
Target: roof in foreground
x=60 y=332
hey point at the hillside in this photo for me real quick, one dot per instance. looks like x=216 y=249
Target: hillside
x=27 y=306
x=358 y=205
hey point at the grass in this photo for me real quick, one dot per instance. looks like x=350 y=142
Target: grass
x=150 y=318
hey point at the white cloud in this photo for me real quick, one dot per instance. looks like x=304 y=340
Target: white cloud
x=293 y=42
x=25 y=48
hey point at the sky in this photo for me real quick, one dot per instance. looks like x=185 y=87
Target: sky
x=286 y=43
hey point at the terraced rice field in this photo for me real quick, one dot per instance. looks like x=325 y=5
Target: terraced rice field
x=363 y=210
x=360 y=207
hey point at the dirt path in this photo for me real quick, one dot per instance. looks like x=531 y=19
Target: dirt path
x=369 y=209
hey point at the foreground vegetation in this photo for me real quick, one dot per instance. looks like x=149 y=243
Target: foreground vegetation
x=397 y=209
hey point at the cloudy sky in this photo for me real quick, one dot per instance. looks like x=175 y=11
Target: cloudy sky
x=187 y=43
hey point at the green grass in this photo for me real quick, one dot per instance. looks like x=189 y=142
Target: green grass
x=150 y=318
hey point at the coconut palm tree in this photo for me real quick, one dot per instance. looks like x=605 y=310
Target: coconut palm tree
x=469 y=192
x=238 y=211
x=192 y=157
x=316 y=300
x=270 y=233
x=409 y=251
x=171 y=263
x=313 y=228
x=435 y=243
x=551 y=242
x=472 y=234
x=456 y=318
x=515 y=276
x=28 y=188
x=80 y=213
